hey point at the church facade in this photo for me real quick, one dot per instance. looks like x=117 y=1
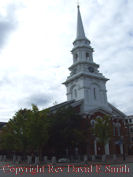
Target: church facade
x=87 y=87
x=86 y=90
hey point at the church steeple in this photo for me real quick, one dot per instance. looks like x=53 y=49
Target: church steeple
x=80 y=28
x=80 y=37
x=85 y=82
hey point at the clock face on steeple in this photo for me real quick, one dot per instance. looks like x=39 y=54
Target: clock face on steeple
x=91 y=69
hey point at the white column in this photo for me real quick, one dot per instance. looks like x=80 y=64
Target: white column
x=45 y=158
x=121 y=148
x=36 y=160
x=53 y=159
x=95 y=147
x=107 y=149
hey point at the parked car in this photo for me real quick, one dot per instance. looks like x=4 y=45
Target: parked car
x=63 y=160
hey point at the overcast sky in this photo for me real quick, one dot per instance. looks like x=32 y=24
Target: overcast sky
x=35 y=42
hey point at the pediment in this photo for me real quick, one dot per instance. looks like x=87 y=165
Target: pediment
x=100 y=110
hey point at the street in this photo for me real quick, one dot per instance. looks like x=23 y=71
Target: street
x=120 y=170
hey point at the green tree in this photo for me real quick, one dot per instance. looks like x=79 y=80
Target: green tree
x=103 y=130
x=31 y=130
x=26 y=132
x=66 y=129
x=14 y=135
x=37 y=131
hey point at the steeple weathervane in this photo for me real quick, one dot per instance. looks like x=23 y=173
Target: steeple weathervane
x=78 y=3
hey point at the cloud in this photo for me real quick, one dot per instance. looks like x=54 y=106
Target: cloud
x=5 y=81
x=113 y=40
x=39 y=99
x=8 y=23
x=35 y=61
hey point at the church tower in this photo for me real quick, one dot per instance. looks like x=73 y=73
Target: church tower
x=85 y=82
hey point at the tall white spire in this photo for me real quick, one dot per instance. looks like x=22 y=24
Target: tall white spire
x=85 y=82
x=80 y=28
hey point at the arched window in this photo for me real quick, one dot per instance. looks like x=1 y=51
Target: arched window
x=92 y=123
x=118 y=129
x=71 y=94
x=75 y=57
x=99 y=117
x=87 y=55
x=75 y=93
x=94 y=92
x=113 y=130
x=118 y=125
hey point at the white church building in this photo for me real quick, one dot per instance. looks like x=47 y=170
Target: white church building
x=86 y=88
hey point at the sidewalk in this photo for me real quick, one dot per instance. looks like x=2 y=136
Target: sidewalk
x=129 y=159
x=119 y=160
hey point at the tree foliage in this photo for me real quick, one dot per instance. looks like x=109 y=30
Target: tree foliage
x=103 y=129
x=66 y=128
x=24 y=133
x=31 y=130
